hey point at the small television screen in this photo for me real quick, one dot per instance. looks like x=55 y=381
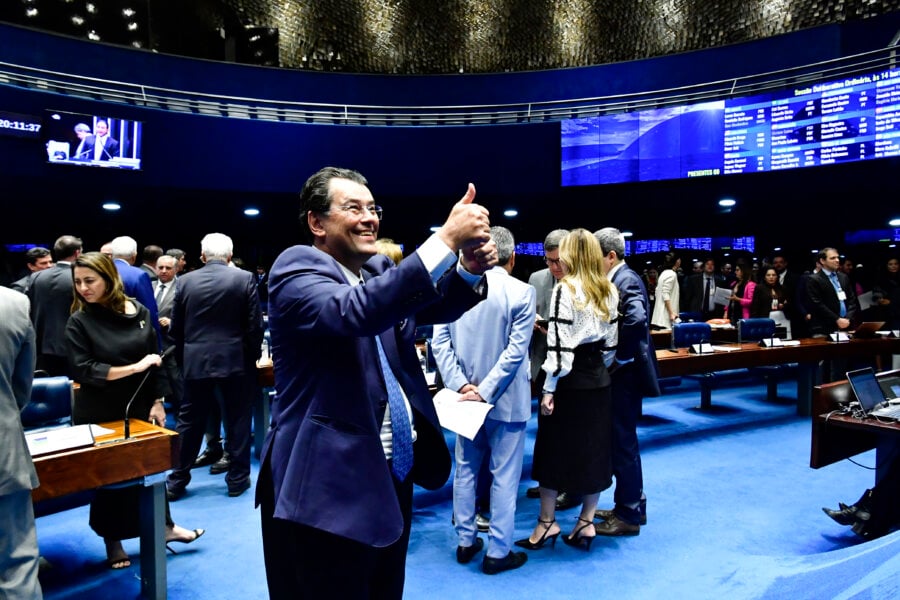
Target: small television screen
x=92 y=140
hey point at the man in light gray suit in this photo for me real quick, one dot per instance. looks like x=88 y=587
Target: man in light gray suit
x=164 y=288
x=484 y=356
x=18 y=542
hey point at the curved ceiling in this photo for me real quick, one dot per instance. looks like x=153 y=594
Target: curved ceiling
x=431 y=36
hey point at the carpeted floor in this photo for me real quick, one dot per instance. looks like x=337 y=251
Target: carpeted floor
x=733 y=509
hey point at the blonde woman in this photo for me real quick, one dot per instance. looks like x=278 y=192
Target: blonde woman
x=572 y=450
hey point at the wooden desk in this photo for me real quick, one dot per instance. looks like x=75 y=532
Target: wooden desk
x=839 y=436
x=140 y=460
x=807 y=356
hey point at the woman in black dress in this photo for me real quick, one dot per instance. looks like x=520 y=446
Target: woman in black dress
x=112 y=344
x=573 y=448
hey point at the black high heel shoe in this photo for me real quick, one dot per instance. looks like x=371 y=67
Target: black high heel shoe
x=529 y=545
x=577 y=540
x=197 y=534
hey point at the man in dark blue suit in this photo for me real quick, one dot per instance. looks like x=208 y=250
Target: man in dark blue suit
x=217 y=328
x=136 y=282
x=634 y=376
x=339 y=462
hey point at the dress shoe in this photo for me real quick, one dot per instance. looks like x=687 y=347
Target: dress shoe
x=845 y=516
x=208 y=457
x=220 y=466
x=603 y=514
x=513 y=560
x=614 y=526
x=236 y=490
x=482 y=523
x=174 y=493
x=533 y=492
x=465 y=554
x=566 y=500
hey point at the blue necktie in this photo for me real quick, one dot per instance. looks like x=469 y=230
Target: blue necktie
x=402 y=459
x=837 y=289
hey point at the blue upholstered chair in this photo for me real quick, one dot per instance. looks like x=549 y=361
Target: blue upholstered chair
x=753 y=330
x=50 y=404
x=685 y=335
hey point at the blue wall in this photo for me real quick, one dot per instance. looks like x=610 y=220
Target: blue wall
x=413 y=165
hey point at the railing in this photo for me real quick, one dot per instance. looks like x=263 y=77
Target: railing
x=357 y=114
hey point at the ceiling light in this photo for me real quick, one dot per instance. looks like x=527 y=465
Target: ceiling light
x=510 y=212
x=727 y=202
x=434 y=228
x=31 y=12
x=132 y=26
x=894 y=222
x=127 y=12
x=627 y=234
x=111 y=206
x=92 y=35
x=251 y=212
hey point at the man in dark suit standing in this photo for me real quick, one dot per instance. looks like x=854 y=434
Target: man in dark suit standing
x=789 y=286
x=19 y=557
x=218 y=331
x=101 y=145
x=51 y=302
x=37 y=259
x=136 y=281
x=699 y=291
x=634 y=376
x=833 y=304
x=339 y=462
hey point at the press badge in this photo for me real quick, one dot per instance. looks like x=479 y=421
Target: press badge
x=842 y=295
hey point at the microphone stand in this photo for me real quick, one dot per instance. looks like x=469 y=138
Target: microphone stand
x=163 y=356
x=128 y=406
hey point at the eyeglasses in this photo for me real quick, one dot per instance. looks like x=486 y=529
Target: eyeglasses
x=357 y=210
x=552 y=261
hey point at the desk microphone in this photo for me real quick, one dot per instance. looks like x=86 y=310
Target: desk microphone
x=162 y=355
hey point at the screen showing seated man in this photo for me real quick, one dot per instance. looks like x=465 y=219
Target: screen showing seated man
x=93 y=140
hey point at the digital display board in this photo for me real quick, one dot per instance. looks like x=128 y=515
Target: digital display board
x=851 y=119
x=530 y=248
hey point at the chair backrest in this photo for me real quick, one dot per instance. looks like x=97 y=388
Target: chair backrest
x=753 y=330
x=51 y=402
x=690 y=317
x=687 y=334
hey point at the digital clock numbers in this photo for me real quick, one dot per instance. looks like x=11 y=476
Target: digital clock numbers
x=19 y=125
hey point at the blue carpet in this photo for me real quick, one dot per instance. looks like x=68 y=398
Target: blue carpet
x=733 y=509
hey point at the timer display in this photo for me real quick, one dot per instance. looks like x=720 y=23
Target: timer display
x=19 y=125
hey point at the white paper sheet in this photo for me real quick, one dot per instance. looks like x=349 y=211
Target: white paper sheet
x=464 y=418
x=723 y=296
x=865 y=300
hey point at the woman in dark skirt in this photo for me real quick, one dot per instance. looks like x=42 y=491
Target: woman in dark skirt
x=573 y=446
x=112 y=344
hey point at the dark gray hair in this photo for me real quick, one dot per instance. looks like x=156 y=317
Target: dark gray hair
x=611 y=240
x=315 y=195
x=551 y=242
x=66 y=246
x=33 y=254
x=506 y=244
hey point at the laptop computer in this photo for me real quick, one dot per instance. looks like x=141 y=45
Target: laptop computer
x=869 y=329
x=870 y=395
